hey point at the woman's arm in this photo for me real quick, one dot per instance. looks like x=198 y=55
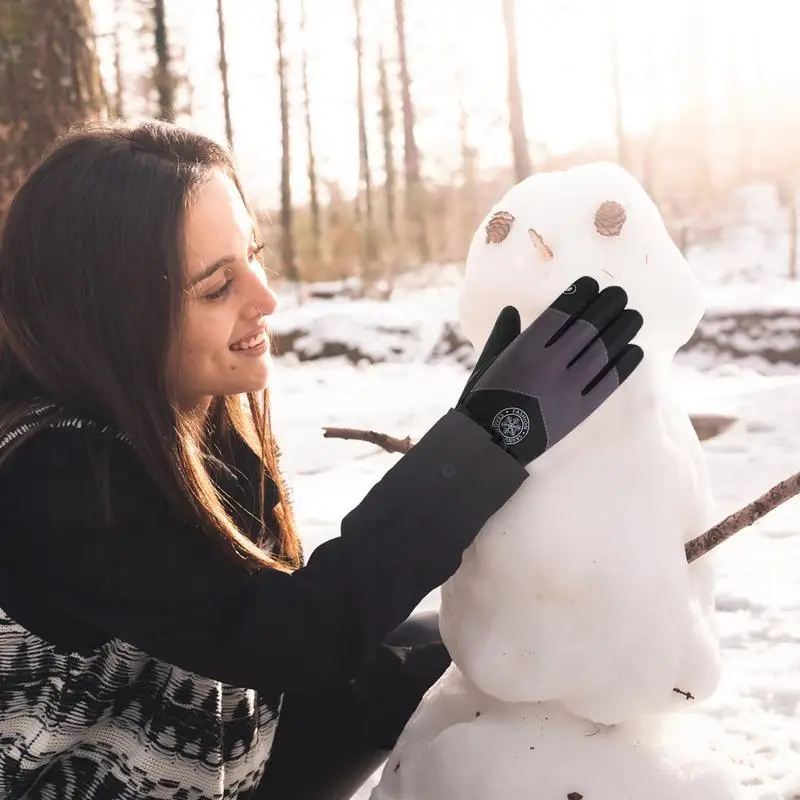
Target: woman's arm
x=165 y=587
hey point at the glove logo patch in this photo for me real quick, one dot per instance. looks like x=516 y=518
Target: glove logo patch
x=512 y=424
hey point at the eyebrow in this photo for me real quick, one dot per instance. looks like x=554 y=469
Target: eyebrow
x=210 y=270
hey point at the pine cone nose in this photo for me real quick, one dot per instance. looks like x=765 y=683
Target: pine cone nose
x=609 y=218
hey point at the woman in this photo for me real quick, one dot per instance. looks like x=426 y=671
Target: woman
x=156 y=612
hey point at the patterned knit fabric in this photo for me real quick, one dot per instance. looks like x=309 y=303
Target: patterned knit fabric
x=116 y=724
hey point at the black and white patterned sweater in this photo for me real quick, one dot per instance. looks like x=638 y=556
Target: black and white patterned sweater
x=137 y=661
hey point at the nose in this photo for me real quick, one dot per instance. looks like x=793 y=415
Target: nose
x=261 y=298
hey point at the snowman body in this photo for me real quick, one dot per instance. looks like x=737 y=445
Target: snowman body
x=465 y=745
x=575 y=624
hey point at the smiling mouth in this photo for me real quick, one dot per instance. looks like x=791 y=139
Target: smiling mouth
x=250 y=342
x=609 y=274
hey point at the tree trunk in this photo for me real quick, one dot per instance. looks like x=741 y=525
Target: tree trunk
x=652 y=137
x=313 y=193
x=364 y=172
x=223 y=71
x=287 y=238
x=623 y=154
x=415 y=212
x=792 y=211
x=49 y=79
x=699 y=111
x=519 y=140
x=741 y=109
x=163 y=78
x=468 y=191
x=390 y=181
x=119 y=81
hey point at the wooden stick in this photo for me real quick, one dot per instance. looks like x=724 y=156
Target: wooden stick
x=695 y=548
x=733 y=523
x=389 y=443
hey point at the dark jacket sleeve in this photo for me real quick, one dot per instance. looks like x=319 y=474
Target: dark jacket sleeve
x=165 y=587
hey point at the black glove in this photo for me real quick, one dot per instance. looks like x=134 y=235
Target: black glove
x=531 y=389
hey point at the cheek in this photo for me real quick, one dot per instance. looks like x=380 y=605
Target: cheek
x=204 y=340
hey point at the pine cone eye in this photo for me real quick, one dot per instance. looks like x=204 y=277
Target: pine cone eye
x=498 y=227
x=609 y=218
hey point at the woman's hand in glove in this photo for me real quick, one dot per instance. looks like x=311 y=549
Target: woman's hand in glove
x=531 y=389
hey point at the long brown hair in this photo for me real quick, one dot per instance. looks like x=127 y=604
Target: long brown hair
x=92 y=292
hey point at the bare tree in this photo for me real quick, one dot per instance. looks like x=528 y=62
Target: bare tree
x=387 y=129
x=364 y=198
x=390 y=179
x=623 y=154
x=415 y=212
x=699 y=106
x=793 y=234
x=651 y=138
x=287 y=237
x=163 y=78
x=313 y=193
x=184 y=86
x=742 y=112
x=787 y=197
x=223 y=71
x=519 y=140
x=49 y=79
x=468 y=193
x=119 y=81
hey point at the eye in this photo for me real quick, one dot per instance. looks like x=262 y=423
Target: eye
x=221 y=292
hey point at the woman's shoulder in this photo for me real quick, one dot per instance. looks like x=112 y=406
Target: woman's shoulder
x=49 y=437
x=59 y=465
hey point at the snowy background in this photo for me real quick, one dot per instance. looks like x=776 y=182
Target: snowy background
x=397 y=366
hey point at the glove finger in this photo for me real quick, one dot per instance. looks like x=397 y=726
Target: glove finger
x=571 y=303
x=609 y=343
x=506 y=329
x=613 y=375
x=601 y=312
x=608 y=305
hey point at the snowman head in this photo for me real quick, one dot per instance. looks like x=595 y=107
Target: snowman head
x=596 y=220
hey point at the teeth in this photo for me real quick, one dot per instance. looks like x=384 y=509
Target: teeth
x=245 y=344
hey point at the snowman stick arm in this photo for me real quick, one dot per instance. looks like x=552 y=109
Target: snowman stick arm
x=389 y=443
x=752 y=512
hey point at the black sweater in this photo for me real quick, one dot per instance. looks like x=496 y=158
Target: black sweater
x=156 y=631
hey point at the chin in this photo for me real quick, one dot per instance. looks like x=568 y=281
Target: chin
x=260 y=377
x=254 y=378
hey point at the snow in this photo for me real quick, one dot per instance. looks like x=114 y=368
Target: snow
x=524 y=747
x=758 y=591
x=404 y=330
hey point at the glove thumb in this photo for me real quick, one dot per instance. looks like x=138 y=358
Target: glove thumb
x=506 y=329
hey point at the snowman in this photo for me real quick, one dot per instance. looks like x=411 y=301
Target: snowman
x=581 y=638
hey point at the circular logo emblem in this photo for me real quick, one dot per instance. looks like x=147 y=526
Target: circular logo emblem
x=512 y=424
x=571 y=289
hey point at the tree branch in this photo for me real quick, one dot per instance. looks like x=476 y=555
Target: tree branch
x=695 y=548
x=388 y=443
x=752 y=512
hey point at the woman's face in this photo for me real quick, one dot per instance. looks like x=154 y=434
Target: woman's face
x=223 y=348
